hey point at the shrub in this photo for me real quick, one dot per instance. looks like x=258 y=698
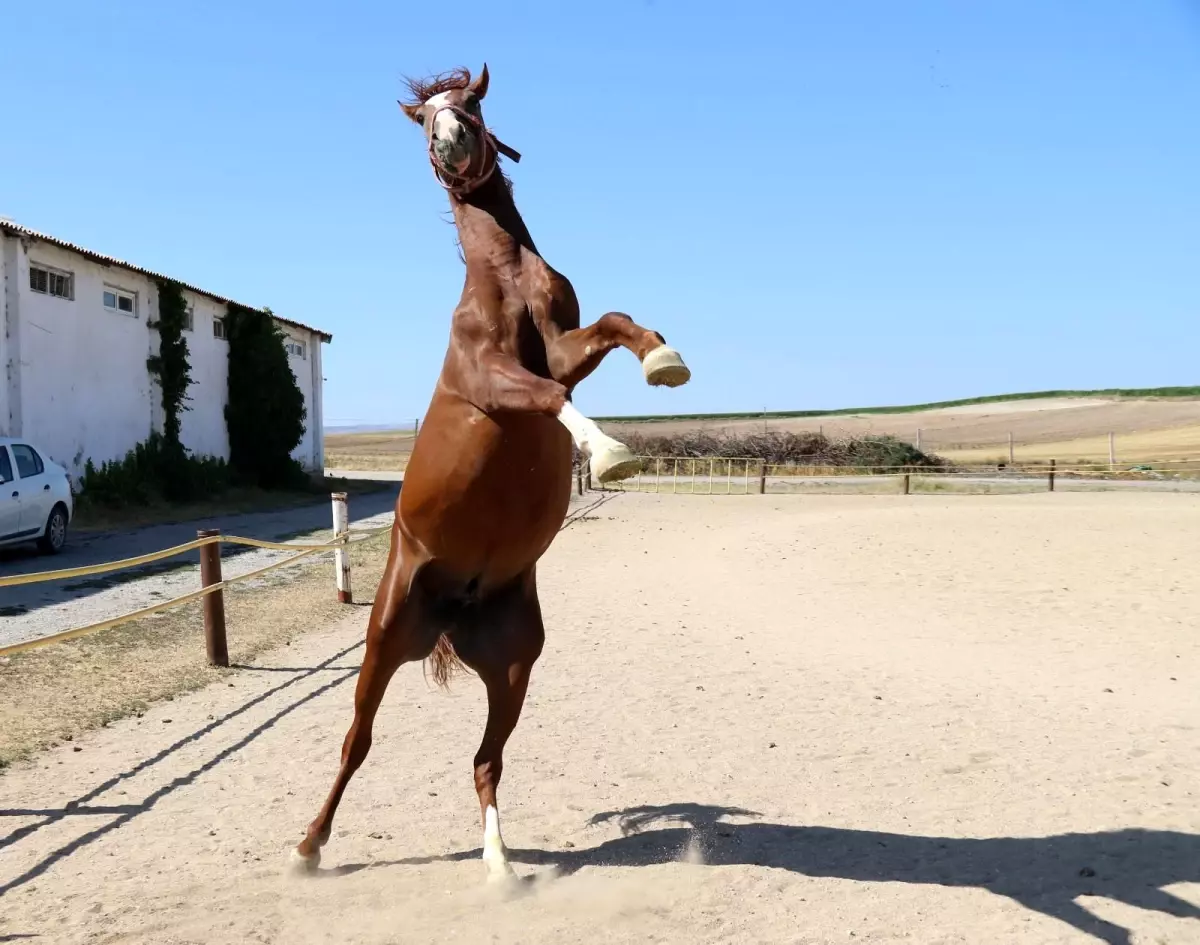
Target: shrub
x=782 y=449
x=151 y=471
x=265 y=412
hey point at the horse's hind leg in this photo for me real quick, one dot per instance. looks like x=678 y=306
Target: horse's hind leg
x=397 y=633
x=502 y=650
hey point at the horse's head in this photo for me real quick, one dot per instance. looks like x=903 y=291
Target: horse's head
x=450 y=110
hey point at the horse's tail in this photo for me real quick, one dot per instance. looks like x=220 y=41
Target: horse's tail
x=443 y=663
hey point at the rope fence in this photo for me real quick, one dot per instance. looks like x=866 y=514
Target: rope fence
x=212 y=583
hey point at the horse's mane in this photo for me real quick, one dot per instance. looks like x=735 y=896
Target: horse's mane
x=422 y=90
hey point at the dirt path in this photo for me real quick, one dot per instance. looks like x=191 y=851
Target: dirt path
x=926 y=720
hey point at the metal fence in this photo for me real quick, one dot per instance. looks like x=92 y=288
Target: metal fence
x=722 y=475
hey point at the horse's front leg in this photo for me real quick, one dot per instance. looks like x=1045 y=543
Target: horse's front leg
x=500 y=383
x=573 y=355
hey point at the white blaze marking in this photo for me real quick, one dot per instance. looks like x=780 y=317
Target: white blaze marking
x=444 y=122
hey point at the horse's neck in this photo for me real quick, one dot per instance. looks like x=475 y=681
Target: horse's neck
x=490 y=228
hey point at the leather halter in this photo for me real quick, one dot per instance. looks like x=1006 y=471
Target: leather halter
x=490 y=144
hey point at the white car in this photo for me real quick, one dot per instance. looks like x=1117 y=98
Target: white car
x=35 y=497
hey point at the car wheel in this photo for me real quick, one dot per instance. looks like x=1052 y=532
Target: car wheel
x=55 y=536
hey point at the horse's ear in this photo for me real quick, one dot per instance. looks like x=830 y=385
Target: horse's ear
x=480 y=85
x=413 y=112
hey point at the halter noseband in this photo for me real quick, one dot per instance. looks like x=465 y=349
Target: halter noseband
x=491 y=145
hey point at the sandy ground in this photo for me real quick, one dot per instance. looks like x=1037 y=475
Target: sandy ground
x=757 y=719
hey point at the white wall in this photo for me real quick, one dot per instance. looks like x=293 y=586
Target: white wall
x=80 y=387
x=84 y=387
x=202 y=425
x=8 y=333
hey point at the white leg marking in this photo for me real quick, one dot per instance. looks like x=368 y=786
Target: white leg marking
x=588 y=437
x=495 y=853
x=611 y=460
x=299 y=864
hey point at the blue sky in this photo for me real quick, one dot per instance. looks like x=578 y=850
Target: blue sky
x=821 y=204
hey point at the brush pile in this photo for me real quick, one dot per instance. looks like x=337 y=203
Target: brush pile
x=783 y=449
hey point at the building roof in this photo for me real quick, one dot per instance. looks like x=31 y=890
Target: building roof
x=11 y=228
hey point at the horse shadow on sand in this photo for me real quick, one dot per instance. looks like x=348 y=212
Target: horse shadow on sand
x=1045 y=874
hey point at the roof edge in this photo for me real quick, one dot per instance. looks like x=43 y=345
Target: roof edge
x=12 y=228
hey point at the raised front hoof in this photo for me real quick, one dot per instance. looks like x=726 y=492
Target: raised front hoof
x=664 y=367
x=614 y=463
x=301 y=865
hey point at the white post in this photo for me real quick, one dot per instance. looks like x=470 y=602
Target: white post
x=918 y=443
x=1112 y=449
x=1011 y=453
x=341 y=529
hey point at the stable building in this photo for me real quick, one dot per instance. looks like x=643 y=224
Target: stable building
x=76 y=330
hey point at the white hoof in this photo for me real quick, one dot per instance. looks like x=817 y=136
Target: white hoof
x=614 y=461
x=664 y=367
x=301 y=865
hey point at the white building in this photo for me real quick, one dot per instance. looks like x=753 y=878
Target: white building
x=77 y=331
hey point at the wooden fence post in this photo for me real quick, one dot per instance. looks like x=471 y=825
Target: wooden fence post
x=762 y=479
x=907 y=483
x=579 y=478
x=341 y=555
x=214 y=603
x=1051 y=477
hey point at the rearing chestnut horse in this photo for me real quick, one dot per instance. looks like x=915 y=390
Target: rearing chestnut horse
x=489 y=480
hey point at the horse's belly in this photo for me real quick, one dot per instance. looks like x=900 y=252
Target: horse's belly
x=487 y=497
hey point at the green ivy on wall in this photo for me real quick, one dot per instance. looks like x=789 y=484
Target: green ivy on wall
x=171 y=366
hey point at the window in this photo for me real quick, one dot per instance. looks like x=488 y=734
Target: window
x=28 y=461
x=294 y=347
x=189 y=320
x=55 y=282
x=120 y=300
x=219 y=328
x=5 y=465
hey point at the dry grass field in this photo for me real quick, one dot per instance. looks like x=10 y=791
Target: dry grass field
x=1070 y=430
x=894 y=720
x=369 y=452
